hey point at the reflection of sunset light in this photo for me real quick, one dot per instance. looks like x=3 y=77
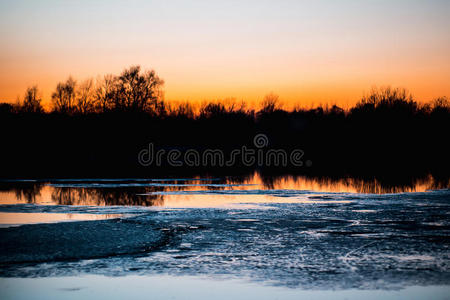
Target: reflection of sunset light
x=344 y=185
x=182 y=193
x=236 y=201
x=33 y=218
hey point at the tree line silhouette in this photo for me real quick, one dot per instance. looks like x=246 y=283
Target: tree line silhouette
x=132 y=91
x=97 y=128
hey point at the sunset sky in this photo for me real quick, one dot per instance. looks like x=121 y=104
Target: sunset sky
x=311 y=52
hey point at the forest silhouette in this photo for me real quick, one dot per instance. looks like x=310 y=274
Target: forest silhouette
x=97 y=128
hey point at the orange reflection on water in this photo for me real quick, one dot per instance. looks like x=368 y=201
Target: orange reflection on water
x=343 y=185
x=230 y=201
x=34 y=218
x=200 y=193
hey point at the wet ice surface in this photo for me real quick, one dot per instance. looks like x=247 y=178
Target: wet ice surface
x=313 y=241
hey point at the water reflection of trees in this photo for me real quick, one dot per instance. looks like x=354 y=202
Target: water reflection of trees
x=23 y=191
x=367 y=185
x=149 y=196
x=104 y=197
x=28 y=193
x=127 y=196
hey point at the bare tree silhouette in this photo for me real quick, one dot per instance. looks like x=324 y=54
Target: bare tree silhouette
x=106 y=93
x=270 y=103
x=138 y=92
x=64 y=97
x=387 y=100
x=32 y=101
x=85 y=97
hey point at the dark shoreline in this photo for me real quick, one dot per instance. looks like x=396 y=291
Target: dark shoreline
x=385 y=135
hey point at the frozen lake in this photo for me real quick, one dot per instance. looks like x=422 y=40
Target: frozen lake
x=283 y=238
